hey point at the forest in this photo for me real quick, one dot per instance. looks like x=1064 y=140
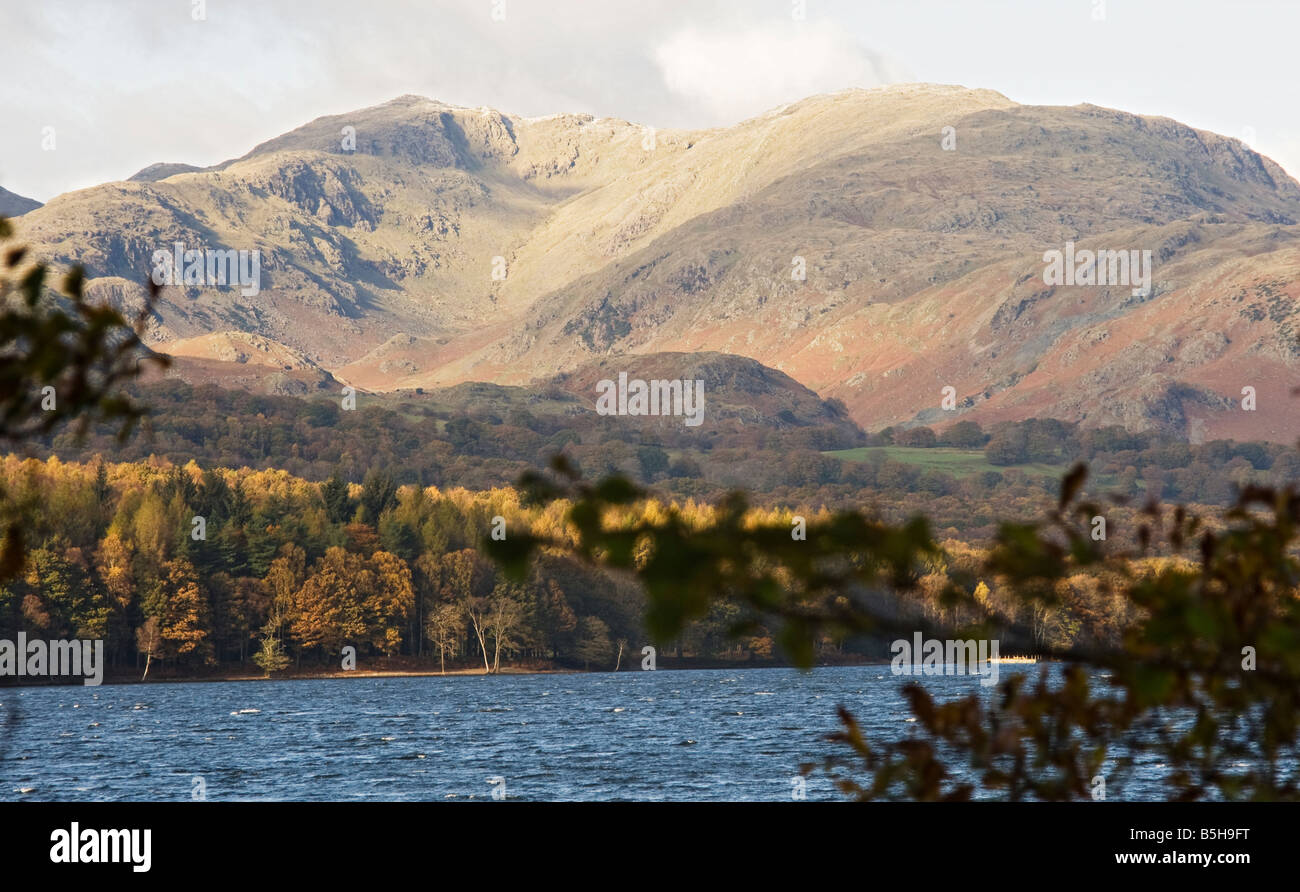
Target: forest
x=481 y=441
x=192 y=571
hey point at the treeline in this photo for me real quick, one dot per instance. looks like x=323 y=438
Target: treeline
x=426 y=441
x=1142 y=464
x=204 y=568
x=433 y=439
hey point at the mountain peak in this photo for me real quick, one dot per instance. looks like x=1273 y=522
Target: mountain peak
x=874 y=245
x=161 y=171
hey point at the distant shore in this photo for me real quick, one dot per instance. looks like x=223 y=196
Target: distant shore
x=303 y=675
x=678 y=664
x=316 y=674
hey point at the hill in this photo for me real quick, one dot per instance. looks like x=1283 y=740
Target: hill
x=877 y=246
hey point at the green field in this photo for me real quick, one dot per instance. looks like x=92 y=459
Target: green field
x=950 y=460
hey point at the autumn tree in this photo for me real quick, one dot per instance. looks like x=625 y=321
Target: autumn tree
x=390 y=601
x=182 y=612
x=271 y=657
x=329 y=609
x=284 y=578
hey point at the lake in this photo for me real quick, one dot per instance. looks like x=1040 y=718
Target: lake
x=697 y=735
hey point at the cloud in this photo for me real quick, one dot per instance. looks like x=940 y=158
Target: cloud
x=140 y=81
x=729 y=75
x=137 y=83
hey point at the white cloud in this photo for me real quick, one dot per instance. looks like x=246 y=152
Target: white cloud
x=140 y=81
x=730 y=75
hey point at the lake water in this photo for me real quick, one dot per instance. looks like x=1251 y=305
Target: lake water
x=659 y=736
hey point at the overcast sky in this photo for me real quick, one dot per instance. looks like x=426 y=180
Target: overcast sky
x=126 y=83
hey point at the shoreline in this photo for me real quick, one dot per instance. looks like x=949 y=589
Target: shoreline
x=215 y=678
x=342 y=674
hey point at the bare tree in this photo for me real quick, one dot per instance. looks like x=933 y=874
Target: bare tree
x=505 y=620
x=445 y=626
x=149 y=641
x=477 y=611
x=466 y=580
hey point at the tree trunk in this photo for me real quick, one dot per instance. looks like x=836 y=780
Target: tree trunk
x=148 y=658
x=482 y=645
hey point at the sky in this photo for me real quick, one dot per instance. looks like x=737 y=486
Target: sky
x=93 y=91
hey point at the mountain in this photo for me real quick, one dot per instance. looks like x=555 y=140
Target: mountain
x=246 y=361
x=161 y=171
x=13 y=205
x=761 y=412
x=419 y=244
x=738 y=395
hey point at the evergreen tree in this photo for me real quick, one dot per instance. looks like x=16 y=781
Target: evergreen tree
x=338 y=504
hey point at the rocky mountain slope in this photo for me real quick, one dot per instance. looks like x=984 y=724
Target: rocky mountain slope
x=13 y=205
x=852 y=241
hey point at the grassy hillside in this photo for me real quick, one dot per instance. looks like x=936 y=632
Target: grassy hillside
x=950 y=460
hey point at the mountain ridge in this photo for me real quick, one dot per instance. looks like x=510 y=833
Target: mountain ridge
x=449 y=244
x=14 y=205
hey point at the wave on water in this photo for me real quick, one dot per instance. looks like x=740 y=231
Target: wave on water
x=664 y=746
